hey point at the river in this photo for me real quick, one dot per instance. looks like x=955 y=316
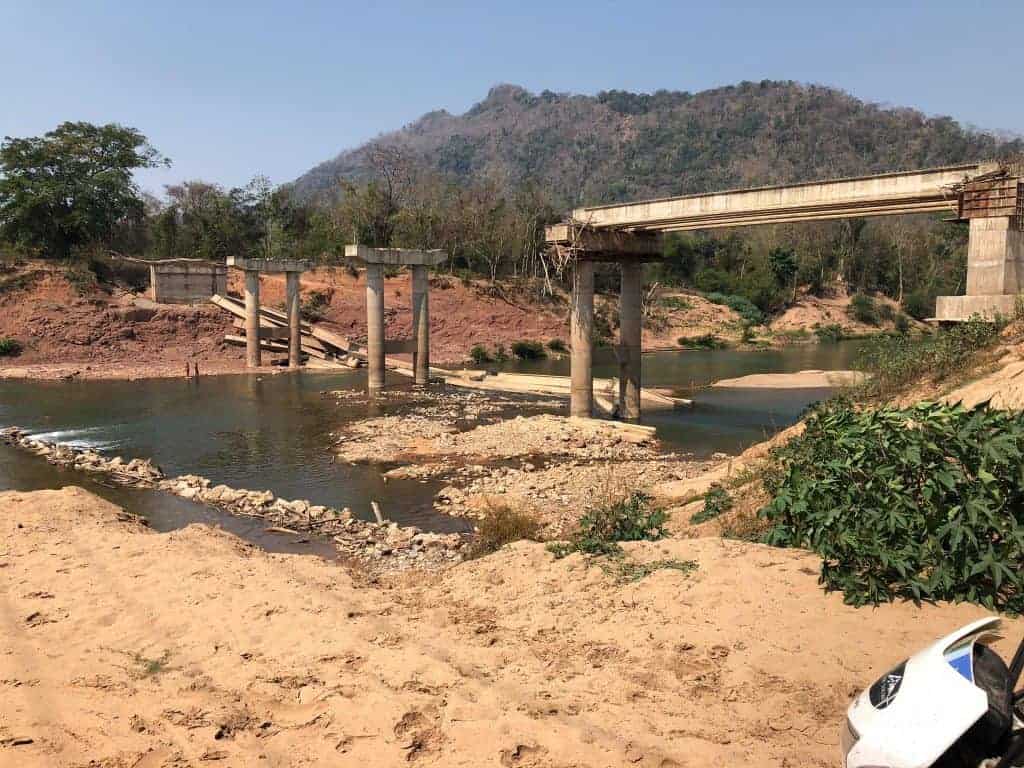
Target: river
x=274 y=431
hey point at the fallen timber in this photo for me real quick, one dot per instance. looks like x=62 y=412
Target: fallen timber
x=379 y=546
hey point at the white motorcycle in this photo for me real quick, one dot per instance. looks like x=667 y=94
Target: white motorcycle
x=952 y=705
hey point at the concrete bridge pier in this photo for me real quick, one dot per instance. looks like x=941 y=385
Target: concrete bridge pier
x=252 y=318
x=581 y=337
x=421 y=324
x=292 y=270
x=375 y=260
x=375 y=325
x=630 y=321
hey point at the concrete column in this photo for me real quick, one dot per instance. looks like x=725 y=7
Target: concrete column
x=421 y=324
x=375 y=325
x=581 y=388
x=252 y=318
x=995 y=257
x=294 y=319
x=629 y=339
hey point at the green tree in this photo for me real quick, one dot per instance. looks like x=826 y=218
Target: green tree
x=71 y=187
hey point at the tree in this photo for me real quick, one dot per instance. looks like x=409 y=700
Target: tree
x=71 y=187
x=783 y=264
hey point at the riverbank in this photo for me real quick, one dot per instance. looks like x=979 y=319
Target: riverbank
x=513 y=659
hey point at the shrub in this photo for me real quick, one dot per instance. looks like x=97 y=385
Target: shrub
x=502 y=525
x=743 y=307
x=885 y=311
x=919 y=304
x=901 y=324
x=601 y=529
x=924 y=503
x=500 y=355
x=895 y=361
x=830 y=334
x=557 y=345
x=678 y=303
x=315 y=304
x=717 y=502
x=863 y=309
x=81 y=276
x=712 y=280
x=480 y=355
x=704 y=341
x=528 y=350
x=9 y=347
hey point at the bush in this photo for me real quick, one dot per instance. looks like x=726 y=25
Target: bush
x=9 y=347
x=677 y=303
x=830 y=334
x=480 y=355
x=557 y=345
x=924 y=503
x=885 y=311
x=895 y=361
x=601 y=529
x=704 y=341
x=500 y=355
x=712 y=280
x=863 y=309
x=502 y=525
x=528 y=350
x=717 y=502
x=315 y=304
x=901 y=324
x=919 y=304
x=751 y=314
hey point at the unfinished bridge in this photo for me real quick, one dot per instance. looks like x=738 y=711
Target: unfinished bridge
x=988 y=196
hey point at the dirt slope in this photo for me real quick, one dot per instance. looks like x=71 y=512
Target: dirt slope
x=129 y=648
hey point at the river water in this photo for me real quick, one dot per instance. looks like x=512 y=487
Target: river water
x=274 y=431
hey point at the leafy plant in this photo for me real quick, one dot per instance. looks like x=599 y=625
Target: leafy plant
x=500 y=355
x=717 y=502
x=924 y=503
x=742 y=306
x=602 y=528
x=480 y=355
x=704 y=341
x=528 y=350
x=895 y=361
x=9 y=347
x=315 y=304
x=558 y=346
x=830 y=334
x=678 y=303
x=863 y=309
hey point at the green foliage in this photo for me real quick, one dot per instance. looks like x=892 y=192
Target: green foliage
x=500 y=355
x=526 y=349
x=315 y=304
x=602 y=528
x=502 y=525
x=783 y=265
x=717 y=502
x=742 y=306
x=901 y=324
x=9 y=347
x=558 y=346
x=863 y=309
x=704 y=341
x=81 y=276
x=924 y=503
x=676 y=303
x=71 y=187
x=893 y=362
x=919 y=304
x=830 y=334
x=627 y=571
x=479 y=355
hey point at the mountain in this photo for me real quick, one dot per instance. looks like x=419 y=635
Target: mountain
x=619 y=145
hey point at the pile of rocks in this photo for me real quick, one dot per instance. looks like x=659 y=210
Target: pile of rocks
x=378 y=545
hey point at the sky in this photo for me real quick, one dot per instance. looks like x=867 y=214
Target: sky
x=228 y=90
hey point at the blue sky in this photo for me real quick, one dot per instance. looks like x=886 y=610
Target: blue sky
x=228 y=90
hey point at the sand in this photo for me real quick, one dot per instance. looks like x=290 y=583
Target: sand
x=130 y=648
x=796 y=380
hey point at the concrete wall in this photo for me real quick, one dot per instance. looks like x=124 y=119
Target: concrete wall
x=995 y=257
x=186 y=281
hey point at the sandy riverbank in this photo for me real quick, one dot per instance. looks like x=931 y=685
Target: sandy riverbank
x=129 y=648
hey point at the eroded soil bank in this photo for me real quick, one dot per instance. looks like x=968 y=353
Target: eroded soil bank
x=130 y=648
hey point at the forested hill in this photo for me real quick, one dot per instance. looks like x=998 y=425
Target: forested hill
x=620 y=145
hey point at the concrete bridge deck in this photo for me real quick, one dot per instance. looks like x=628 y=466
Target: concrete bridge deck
x=921 y=191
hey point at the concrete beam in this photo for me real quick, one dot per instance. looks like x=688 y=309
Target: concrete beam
x=395 y=257
x=268 y=265
x=885 y=194
x=597 y=245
